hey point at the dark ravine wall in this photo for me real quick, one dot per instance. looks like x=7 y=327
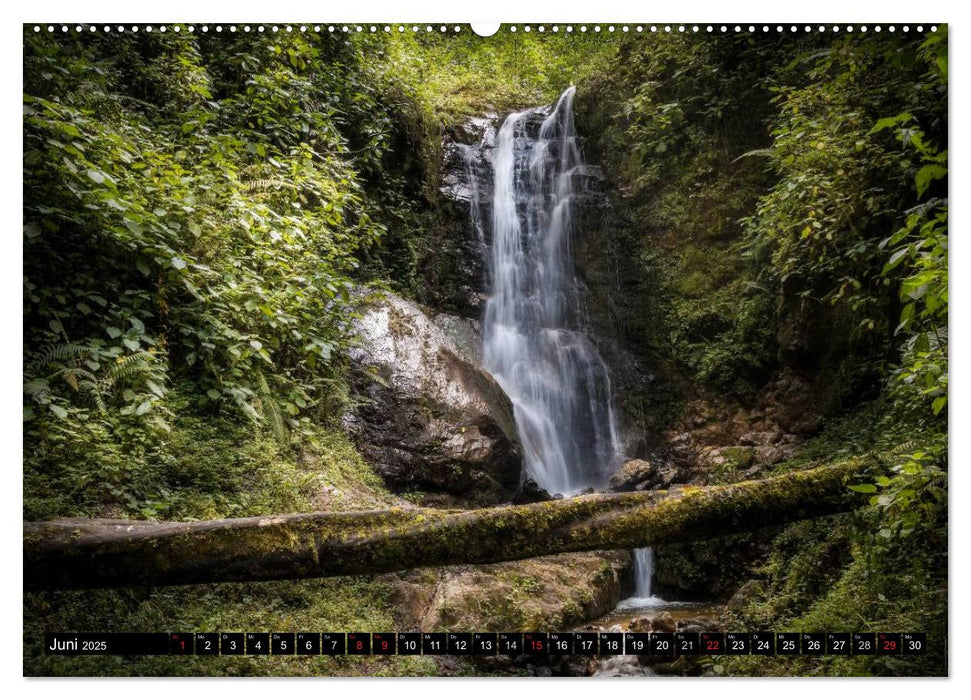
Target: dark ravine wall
x=454 y=268
x=642 y=394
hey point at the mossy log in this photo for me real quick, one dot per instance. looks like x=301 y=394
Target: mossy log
x=87 y=553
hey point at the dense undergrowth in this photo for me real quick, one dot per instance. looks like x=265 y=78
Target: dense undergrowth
x=198 y=210
x=781 y=205
x=335 y=604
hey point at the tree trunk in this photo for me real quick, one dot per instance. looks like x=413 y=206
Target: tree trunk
x=85 y=553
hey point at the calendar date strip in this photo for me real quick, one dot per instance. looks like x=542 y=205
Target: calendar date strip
x=654 y=644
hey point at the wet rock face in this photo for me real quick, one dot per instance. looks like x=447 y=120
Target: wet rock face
x=428 y=417
x=465 y=207
x=470 y=140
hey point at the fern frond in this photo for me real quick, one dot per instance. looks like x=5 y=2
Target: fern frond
x=264 y=185
x=142 y=362
x=764 y=152
x=58 y=353
x=71 y=374
x=271 y=409
x=902 y=448
x=37 y=388
x=246 y=407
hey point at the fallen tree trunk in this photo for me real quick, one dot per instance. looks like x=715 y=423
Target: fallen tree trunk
x=85 y=553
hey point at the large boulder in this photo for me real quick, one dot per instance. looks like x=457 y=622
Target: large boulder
x=794 y=403
x=426 y=416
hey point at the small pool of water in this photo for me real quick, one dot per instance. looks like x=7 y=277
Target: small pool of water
x=633 y=608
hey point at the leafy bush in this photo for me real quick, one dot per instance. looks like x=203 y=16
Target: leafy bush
x=820 y=232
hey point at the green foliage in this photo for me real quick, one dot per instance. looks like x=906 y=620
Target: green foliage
x=920 y=249
x=724 y=337
x=195 y=209
x=759 y=180
x=820 y=233
x=207 y=238
x=461 y=75
x=915 y=491
x=675 y=115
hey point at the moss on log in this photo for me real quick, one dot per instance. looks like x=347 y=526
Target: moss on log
x=87 y=553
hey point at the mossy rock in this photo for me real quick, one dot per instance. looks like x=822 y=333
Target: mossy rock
x=545 y=593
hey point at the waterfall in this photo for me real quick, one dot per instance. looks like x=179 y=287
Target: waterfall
x=534 y=344
x=642 y=597
x=472 y=176
x=643 y=572
x=533 y=338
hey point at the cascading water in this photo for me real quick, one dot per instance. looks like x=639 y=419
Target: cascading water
x=534 y=344
x=533 y=340
x=643 y=573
